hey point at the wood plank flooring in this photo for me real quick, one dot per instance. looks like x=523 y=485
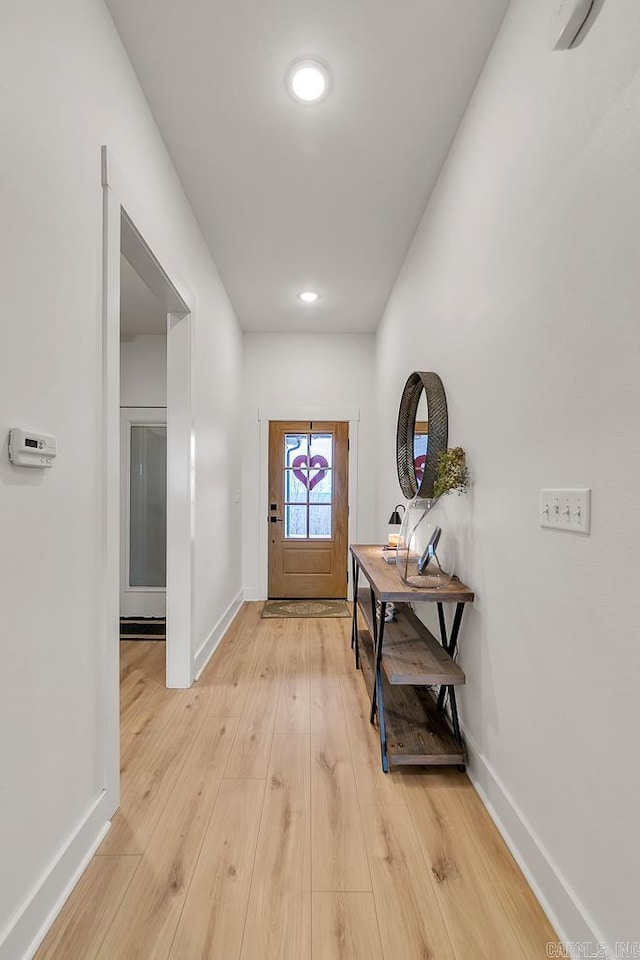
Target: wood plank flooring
x=256 y=823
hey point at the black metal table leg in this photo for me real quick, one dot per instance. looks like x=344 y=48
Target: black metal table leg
x=374 y=641
x=454 y=715
x=378 y=628
x=377 y=697
x=381 y=724
x=456 y=724
x=353 y=613
x=355 y=646
x=450 y=644
x=443 y=626
x=455 y=630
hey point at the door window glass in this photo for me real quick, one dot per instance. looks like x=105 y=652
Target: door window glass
x=295 y=522
x=319 y=523
x=295 y=486
x=295 y=445
x=322 y=448
x=148 y=506
x=308 y=486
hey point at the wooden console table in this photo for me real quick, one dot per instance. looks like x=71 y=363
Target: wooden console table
x=402 y=661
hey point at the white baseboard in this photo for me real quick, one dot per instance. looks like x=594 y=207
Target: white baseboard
x=27 y=928
x=208 y=648
x=566 y=913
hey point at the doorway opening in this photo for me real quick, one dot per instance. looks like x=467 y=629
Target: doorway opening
x=148 y=439
x=155 y=444
x=143 y=461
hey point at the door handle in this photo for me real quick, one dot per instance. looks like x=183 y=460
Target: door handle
x=275 y=519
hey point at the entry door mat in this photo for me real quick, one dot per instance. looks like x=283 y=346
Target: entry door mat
x=305 y=608
x=143 y=628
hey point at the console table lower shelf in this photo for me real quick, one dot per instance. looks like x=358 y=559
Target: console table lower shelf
x=416 y=733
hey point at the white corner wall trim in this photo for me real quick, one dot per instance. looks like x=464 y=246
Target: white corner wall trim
x=563 y=908
x=46 y=900
x=210 y=645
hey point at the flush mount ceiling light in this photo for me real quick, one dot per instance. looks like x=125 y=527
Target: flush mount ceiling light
x=308 y=81
x=308 y=296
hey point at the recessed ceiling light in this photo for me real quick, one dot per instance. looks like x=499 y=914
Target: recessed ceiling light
x=308 y=296
x=308 y=81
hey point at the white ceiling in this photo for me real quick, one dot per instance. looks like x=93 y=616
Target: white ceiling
x=140 y=311
x=292 y=196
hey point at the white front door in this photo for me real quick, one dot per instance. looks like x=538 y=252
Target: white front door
x=143 y=492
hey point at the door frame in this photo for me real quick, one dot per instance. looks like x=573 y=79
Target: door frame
x=123 y=221
x=351 y=415
x=129 y=417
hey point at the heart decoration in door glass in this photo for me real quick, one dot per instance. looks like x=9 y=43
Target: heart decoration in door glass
x=317 y=462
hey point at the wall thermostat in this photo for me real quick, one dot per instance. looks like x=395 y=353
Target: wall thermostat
x=28 y=449
x=568 y=17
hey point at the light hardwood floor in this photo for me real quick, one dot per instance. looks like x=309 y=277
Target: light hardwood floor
x=256 y=824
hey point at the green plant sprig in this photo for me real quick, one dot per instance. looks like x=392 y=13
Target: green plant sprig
x=453 y=473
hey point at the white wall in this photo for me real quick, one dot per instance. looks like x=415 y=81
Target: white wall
x=68 y=88
x=143 y=371
x=522 y=290
x=294 y=372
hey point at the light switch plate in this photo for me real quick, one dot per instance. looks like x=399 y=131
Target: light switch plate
x=566 y=510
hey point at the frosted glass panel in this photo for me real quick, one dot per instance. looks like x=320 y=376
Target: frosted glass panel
x=148 y=506
x=320 y=486
x=295 y=486
x=296 y=447
x=322 y=449
x=295 y=523
x=319 y=523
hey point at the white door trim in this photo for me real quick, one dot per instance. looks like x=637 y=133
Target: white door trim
x=337 y=414
x=124 y=226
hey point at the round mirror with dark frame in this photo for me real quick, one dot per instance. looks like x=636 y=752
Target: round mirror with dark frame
x=422 y=434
